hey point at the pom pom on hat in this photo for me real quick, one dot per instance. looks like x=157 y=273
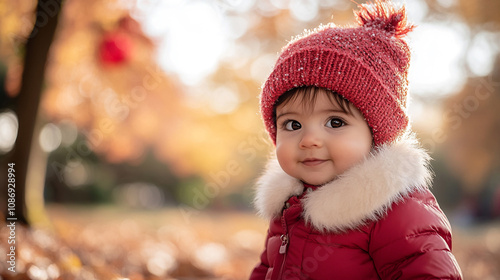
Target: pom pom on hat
x=366 y=64
x=383 y=15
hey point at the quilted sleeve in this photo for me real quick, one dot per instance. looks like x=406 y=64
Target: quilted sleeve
x=413 y=241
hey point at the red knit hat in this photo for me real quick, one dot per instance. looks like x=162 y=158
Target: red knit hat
x=366 y=64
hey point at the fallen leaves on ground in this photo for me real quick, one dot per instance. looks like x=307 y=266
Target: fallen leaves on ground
x=113 y=243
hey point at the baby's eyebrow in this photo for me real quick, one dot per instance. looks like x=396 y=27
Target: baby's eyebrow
x=336 y=110
x=333 y=110
x=284 y=114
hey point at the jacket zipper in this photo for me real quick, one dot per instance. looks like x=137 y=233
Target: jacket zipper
x=285 y=240
x=283 y=252
x=284 y=243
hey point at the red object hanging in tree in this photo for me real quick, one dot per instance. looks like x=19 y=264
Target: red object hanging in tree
x=115 y=48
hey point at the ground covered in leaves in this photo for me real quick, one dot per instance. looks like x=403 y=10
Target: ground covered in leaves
x=114 y=243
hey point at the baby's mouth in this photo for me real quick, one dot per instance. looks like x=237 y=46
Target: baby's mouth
x=313 y=161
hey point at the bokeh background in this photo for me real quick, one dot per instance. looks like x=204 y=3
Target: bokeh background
x=136 y=138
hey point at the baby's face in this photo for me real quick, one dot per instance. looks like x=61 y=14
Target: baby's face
x=317 y=143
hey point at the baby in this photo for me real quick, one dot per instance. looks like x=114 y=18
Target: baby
x=348 y=193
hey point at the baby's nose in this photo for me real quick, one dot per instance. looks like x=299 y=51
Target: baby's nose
x=310 y=138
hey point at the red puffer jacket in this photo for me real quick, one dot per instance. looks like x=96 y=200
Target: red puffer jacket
x=376 y=221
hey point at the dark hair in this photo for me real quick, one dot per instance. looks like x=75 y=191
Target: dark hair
x=309 y=95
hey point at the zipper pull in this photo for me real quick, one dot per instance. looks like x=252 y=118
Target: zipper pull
x=284 y=243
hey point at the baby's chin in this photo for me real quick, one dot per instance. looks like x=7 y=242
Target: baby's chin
x=318 y=183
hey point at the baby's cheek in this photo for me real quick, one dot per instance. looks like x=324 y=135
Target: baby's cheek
x=362 y=146
x=284 y=156
x=352 y=154
x=281 y=151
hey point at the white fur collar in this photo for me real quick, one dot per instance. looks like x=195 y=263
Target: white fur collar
x=363 y=193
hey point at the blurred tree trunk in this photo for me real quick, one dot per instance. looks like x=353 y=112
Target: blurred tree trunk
x=28 y=100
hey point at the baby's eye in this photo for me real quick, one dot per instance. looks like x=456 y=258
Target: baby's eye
x=335 y=123
x=292 y=125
